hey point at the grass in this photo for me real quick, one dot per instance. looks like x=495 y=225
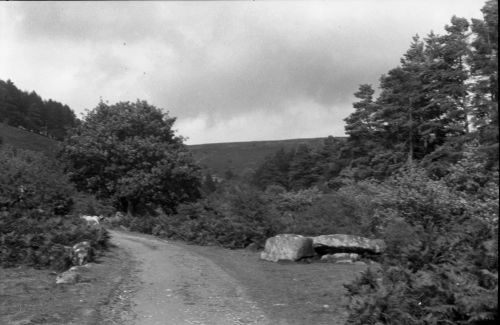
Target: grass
x=30 y=296
x=289 y=293
x=27 y=140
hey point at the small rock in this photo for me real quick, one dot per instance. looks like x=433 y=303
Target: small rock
x=67 y=277
x=81 y=253
x=253 y=247
x=340 y=257
x=344 y=262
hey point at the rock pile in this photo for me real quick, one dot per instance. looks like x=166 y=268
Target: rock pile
x=338 y=248
x=81 y=255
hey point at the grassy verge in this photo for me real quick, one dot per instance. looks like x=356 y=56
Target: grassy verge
x=291 y=293
x=30 y=296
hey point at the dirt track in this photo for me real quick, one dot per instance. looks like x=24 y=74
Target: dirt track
x=145 y=280
x=178 y=287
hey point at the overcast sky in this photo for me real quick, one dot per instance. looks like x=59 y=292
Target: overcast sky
x=229 y=71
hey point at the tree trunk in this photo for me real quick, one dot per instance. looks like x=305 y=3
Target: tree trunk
x=410 y=135
x=130 y=208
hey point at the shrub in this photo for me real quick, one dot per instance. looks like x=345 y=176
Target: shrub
x=39 y=239
x=237 y=215
x=35 y=198
x=233 y=217
x=441 y=266
x=310 y=212
x=30 y=180
x=86 y=204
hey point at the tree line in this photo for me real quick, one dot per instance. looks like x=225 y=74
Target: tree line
x=29 y=111
x=443 y=95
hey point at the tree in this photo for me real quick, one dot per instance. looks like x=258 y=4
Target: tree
x=28 y=110
x=128 y=152
x=274 y=170
x=329 y=160
x=447 y=74
x=303 y=172
x=425 y=105
x=209 y=185
x=229 y=174
x=360 y=124
x=484 y=69
x=406 y=110
x=364 y=132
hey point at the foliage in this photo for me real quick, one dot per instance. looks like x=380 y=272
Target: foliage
x=209 y=184
x=39 y=239
x=35 y=199
x=441 y=265
x=301 y=168
x=28 y=111
x=484 y=70
x=233 y=217
x=274 y=170
x=300 y=212
x=128 y=153
x=86 y=204
x=302 y=173
x=444 y=93
x=237 y=215
x=33 y=181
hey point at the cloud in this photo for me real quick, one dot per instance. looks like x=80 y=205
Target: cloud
x=217 y=65
x=303 y=120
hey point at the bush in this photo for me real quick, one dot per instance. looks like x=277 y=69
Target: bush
x=86 y=204
x=310 y=212
x=30 y=180
x=233 y=217
x=441 y=266
x=35 y=198
x=38 y=239
x=238 y=215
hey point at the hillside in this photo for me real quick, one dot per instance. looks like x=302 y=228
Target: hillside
x=238 y=156
x=216 y=157
x=27 y=109
x=27 y=140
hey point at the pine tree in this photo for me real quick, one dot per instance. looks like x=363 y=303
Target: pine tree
x=364 y=132
x=484 y=68
x=446 y=75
